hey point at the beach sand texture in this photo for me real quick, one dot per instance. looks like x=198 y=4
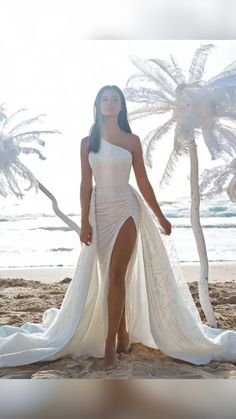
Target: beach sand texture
x=24 y=300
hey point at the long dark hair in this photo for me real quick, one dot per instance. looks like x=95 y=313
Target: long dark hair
x=95 y=131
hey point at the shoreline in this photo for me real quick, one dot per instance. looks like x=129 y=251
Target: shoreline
x=218 y=272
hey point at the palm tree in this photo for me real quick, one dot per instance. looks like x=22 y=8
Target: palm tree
x=216 y=180
x=193 y=107
x=13 y=142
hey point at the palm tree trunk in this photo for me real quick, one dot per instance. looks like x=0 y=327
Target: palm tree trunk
x=199 y=237
x=58 y=212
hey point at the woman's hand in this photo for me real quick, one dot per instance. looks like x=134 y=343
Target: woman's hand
x=86 y=233
x=165 y=224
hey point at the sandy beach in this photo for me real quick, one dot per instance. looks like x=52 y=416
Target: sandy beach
x=26 y=293
x=218 y=272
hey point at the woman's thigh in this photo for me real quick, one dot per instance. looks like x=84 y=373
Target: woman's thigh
x=122 y=249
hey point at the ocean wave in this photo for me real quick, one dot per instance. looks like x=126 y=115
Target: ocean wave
x=205 y=226
x=61 y=249
x=35 y=216
x=204 y=213
x=51 y=228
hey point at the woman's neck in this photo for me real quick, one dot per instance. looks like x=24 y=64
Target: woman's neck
x=110 y=128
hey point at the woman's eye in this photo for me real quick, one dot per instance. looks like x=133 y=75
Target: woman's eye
x=104 y=100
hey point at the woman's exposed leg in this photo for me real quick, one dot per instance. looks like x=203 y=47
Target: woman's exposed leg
x=120 y=257
x=122 y=335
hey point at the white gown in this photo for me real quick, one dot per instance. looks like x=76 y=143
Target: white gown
x=160 y=310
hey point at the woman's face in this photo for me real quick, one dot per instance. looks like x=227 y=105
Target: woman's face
x=110 y=103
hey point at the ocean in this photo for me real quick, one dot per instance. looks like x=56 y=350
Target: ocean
x=42 y=239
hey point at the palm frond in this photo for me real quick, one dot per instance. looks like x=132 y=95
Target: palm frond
x=28 y=139
x=145 y=76
x=221 y=76
x=142 y=94
x=33 y=134
x=216 y=180
x=213 y=176
x=171 y=165
x=147 y=68
x=26 y=174
x=181 y=148
x=3 y=119
x=222 y=97
x=151 y=139
x=197 y=66
x=231 y=189
x=29 y=150
x=137 y=76
x=178 y=71
x=146 y=111
x=207 y=196
x=167 y=68
x=3 y=191
x=230 y=66
x=12 y=184
x=226 y=138
x=133 y=95
x=24 y=123
x=9 y=119
x=183 y=135
x=211 y=141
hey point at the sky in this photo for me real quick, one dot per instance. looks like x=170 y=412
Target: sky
x=47 y=68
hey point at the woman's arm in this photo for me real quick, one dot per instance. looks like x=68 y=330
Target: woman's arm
x=86 y=185
x=145 y=186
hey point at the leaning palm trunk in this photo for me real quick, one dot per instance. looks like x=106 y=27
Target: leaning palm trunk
x=199 y=237
x=56 y=209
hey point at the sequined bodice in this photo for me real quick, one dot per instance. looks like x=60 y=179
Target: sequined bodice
x=111 y=165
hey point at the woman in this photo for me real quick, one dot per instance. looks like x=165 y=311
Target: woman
x=112 y=126
x=127 y=285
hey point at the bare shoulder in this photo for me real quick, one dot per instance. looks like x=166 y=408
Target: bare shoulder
x=135 y=142
x=85 y=142
x=84 y=145
x=131 y=138
x=135 y=138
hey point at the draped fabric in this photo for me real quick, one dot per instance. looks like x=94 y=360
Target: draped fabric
x=160 y=310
